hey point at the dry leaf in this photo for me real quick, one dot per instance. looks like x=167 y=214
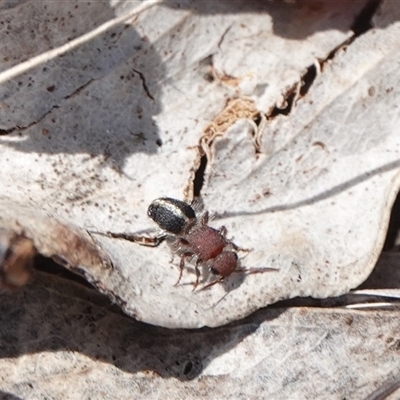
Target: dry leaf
x=60 y=340
x=98 y=128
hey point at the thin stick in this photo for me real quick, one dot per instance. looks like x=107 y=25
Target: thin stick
x=131 y=237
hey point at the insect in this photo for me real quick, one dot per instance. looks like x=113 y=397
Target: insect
x=208 y=246
x=195 y=239
x=192 y=238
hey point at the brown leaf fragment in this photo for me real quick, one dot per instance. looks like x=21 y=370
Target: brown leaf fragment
x=16 y=257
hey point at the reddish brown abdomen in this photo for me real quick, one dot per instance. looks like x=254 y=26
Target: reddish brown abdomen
x=224 y=264
x=206 y=242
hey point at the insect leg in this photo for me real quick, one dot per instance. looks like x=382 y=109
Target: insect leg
x=182 y=265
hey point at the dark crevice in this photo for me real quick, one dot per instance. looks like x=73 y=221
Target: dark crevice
x=292 y=95
x=49 y=266
x=4 y=132
x=199 y=176
x=145 y=87
x=394 y=227
x=307 y=80
x=257 y=119
x=363 y=21
x=333 y=52
x=288 y=104
x=361 y=24
x=188 y=368
x=76 y=91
